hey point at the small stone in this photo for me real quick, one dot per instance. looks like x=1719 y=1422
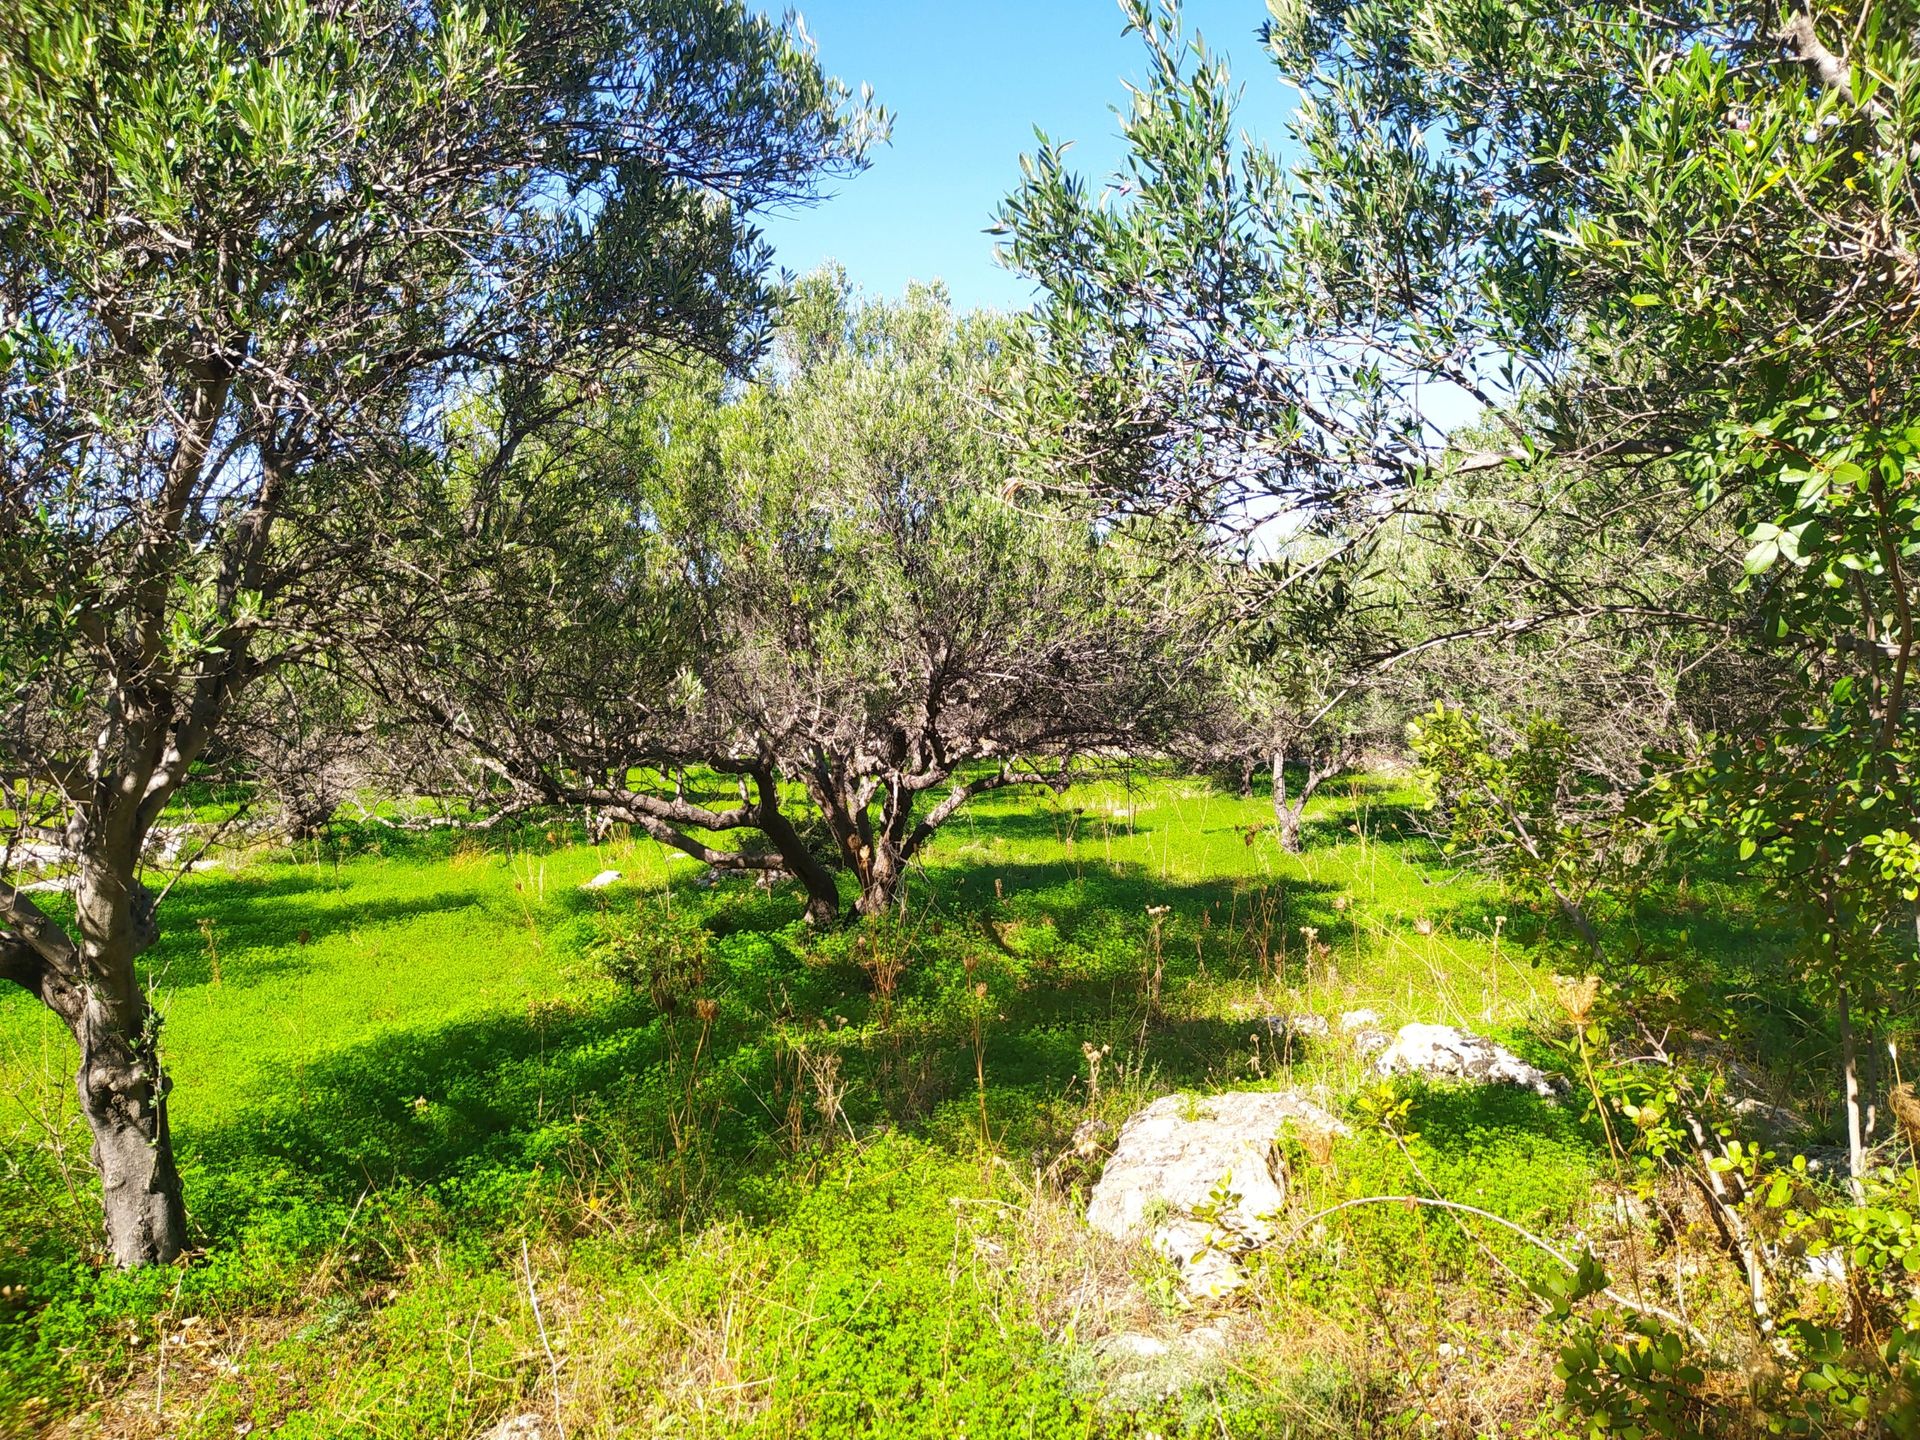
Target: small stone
x=1352 y=1020
x=603 y=880
x=1130 y=1346
x=1827 y=1268
x=1298 y=1027
x=1208 y=1256
x=1368 y=1042
x=518 y=1427
x=1443 y=1052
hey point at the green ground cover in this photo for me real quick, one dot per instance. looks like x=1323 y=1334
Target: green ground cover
x=464 y=1140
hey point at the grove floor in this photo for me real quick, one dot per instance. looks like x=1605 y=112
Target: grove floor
x=444 y=1168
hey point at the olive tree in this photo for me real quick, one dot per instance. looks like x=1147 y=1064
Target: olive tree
x=1668 y=249
x=1687 y=229
x=830 y=586
x=1710 y=205
x=252 y=254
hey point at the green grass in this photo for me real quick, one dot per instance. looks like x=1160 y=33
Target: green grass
x=752 y=1187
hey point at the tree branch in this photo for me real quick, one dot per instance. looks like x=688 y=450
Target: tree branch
x=961 y=794
x=1804 y=45
x=37 y=955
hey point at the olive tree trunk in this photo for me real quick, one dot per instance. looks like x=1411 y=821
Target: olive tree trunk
x=91 y=983
x=1288 y=813
x=823 y=892
x=123 y=1093
x=123 y=1088
x=880 y=848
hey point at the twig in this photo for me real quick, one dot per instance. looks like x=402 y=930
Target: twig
x=553 y=1365
x=1625 y=1302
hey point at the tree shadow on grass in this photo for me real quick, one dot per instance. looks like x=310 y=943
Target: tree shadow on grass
x=1084 y=895
x=726 y=906
x=1334 y=815
x=1715 y=971
x=260 y=928
x=476 y=1110
x=479 y=1103
x=481 y=1107
x=1391 y=824
x=1033 y=823
x=421 y=1105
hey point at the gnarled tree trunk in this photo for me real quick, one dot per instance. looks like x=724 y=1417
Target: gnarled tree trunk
x=1286 y=815
x=123 y=1093
x=123 y=1089
x=823 y=892
x=92 y=985
x=879 y=850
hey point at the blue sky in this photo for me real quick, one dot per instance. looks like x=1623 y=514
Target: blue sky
x=967 y=85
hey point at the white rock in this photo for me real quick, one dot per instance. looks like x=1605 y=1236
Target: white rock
x=1180 y=1147
x=1172 y=1158
x=518 y=1427
x=1132 y=1346
x=1208 y=1256
x=1827 y=1268
x=603 y=880
x=1444 y=1052
x=1148 y=1367
x=1828 y=1159
x=1298 y=1027
x=1363 y=1032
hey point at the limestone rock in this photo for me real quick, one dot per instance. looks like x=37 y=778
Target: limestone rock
x=1131 y=1345
x=1829 y=1267
x=1369 y=1042
x=1298 y=1027
x=1363 y=1032
x=1145 y=1369
x=603 y=880
x=1361 y=1028
x=1203 y=1177
x=518 y=1427
x=1443 y=1052
x=1207 y=1255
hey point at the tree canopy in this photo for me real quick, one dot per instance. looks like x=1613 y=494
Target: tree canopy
x=248 y=254
x=831 y=580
